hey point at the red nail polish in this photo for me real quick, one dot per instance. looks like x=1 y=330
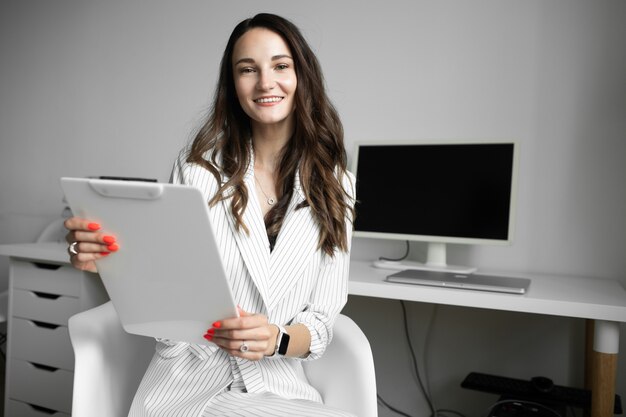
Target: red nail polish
x=217 y=324
x=208 y=337
x=93 y=226
x=113 y=247
x=108 y=239
x=211 y=331
x=105 y=253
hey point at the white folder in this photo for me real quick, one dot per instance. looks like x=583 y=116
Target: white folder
x=167 y=280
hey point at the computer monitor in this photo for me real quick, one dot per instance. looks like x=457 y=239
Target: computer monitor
x=437 y=192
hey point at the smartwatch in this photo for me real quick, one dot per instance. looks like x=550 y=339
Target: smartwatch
x=282 y=342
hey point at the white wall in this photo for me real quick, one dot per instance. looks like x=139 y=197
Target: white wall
x=116 y=87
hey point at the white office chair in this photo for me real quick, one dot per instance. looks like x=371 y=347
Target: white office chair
x=110 y=364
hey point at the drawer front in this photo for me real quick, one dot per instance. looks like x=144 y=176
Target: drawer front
x=20 y=409
x=45 y=307
x=33 y=342
x=47 y=278
x=41 y=387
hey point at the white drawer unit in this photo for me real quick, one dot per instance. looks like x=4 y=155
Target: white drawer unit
x=44 y=292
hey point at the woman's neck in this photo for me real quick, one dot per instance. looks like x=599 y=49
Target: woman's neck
x=268 y=144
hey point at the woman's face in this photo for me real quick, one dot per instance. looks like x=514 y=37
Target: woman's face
x=265 y=78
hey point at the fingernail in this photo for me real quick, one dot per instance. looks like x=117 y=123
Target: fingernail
x=108 y=239
x=217 y=324
x=113 y=247
x=105 y=253
x=208 y=337
x=93 y=226
x=211 y=331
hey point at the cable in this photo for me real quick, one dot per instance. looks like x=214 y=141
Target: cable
x=406 y=254
x=443 y=410
x=395 y=410
x=427 y=338
x=414 y=361
x=424 y=387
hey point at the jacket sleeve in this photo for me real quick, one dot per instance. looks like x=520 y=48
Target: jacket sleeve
x=330 y=294
x=177 y=174
x=194 y=175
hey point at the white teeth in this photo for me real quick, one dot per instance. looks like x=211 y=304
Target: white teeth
x=268 y=100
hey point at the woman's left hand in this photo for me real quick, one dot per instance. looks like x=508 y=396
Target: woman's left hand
x=248 y=336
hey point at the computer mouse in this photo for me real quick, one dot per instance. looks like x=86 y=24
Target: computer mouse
x=542 y=384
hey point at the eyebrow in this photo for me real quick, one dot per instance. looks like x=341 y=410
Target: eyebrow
x=274 y=58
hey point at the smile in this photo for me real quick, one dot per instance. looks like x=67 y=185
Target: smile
x=268 y=100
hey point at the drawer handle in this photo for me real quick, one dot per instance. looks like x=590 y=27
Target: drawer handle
x=41 y=409
x=46 y=295
x=51 y=267
x=45 y=325
x=44 y=367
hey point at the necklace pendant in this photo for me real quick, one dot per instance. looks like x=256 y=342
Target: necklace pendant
x=271 y=201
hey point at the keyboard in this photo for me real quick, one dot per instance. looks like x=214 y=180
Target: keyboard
x=539 y=390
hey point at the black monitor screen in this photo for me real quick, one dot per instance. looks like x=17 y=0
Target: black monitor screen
x=459 y=190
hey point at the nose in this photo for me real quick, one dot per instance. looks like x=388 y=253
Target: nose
x=266 y=81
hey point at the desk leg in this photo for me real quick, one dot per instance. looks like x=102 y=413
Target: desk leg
x=604 y=367
x=589 y=335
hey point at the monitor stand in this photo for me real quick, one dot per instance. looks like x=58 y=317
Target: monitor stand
x=435 y=261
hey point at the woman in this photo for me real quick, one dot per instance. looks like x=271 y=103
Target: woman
x=271 y=163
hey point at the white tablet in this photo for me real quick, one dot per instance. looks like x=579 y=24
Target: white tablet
x=167 y=280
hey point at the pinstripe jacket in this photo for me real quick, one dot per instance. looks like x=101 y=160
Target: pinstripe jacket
x=294 y=283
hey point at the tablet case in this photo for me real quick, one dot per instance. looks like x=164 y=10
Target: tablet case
x=167 y=280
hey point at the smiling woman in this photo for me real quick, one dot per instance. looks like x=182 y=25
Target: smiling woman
x=271 y=162
x=305 y=146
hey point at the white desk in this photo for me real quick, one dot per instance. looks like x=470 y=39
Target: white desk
x=602 y=302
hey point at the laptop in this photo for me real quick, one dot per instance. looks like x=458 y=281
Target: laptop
x=479 y=282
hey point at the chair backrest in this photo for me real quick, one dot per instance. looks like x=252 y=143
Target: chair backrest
x=110 y=364
x=344 y=375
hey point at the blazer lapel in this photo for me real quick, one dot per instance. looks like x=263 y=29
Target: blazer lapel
x=253 y=246
x=276 y=273
x=297 y=242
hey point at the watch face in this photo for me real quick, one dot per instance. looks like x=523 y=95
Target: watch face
x=283 y=344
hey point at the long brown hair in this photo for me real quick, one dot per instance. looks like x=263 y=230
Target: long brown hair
x=316 y=148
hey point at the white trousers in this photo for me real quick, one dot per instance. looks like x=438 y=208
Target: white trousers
x=241 y=404
x=178 y=384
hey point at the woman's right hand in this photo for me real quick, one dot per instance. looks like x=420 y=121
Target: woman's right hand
x=88 y=242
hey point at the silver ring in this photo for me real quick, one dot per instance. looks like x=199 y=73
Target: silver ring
x=72 y=249
x=244 y=347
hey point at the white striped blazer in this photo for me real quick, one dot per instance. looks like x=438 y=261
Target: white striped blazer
x=294 y=283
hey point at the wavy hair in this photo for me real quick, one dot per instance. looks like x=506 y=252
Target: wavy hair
x=315 y=150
